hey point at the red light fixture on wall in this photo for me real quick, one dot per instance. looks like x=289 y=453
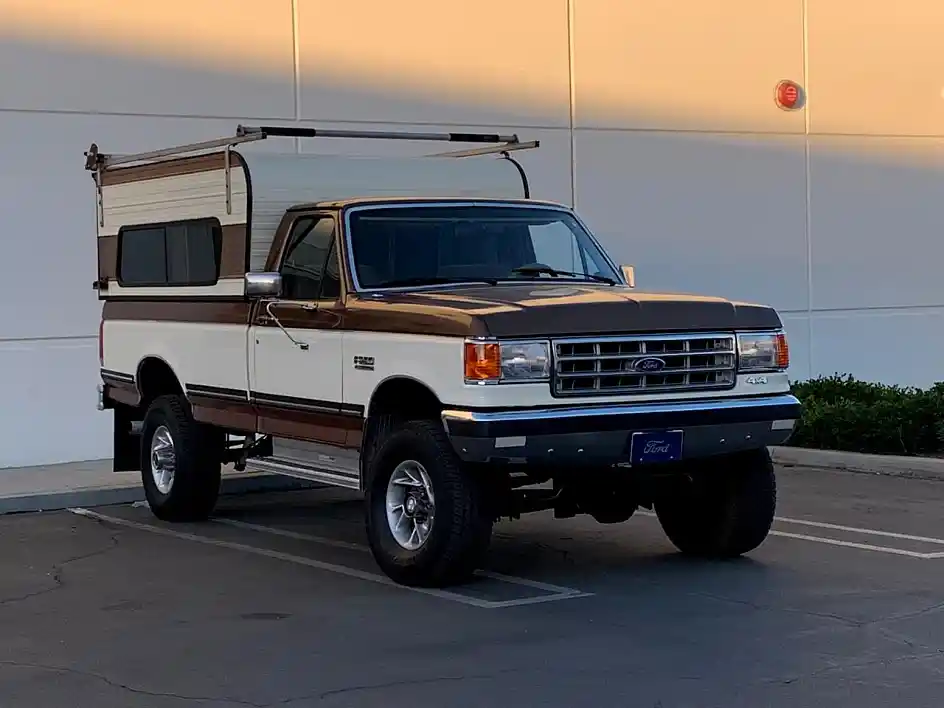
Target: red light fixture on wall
x=788 y=95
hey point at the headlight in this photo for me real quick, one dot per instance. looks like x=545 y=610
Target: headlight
x=765 y=351
x=506 y=362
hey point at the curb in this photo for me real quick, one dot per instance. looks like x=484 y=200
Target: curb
x=105 y=496
x=927 y=468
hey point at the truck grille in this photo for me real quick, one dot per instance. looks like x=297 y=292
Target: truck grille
x=643 y=364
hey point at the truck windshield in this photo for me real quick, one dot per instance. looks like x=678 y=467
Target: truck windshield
x=395 y=246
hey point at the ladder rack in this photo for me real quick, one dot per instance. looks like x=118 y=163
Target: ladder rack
x=495 y=143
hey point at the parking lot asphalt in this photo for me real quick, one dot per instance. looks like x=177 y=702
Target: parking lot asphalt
x=276 y=602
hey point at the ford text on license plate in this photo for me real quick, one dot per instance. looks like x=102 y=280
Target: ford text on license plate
x=662 y=446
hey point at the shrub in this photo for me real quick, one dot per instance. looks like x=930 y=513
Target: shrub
x=842 y=413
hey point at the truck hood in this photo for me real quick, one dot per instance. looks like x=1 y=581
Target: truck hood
x=556 y=309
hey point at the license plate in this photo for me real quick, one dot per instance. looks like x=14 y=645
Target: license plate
x=664 y=446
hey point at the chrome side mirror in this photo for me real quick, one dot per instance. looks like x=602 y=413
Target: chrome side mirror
x=629 y=275
x=263 y=285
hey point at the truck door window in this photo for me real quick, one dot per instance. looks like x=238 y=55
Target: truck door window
x=303 y=267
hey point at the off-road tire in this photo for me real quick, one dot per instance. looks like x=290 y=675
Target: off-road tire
x=461 y=530
x=726 y=511
x=197 y=446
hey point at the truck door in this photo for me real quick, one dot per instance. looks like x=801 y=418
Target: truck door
x=295 y=341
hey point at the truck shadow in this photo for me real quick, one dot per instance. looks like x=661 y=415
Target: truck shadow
x=578 y=553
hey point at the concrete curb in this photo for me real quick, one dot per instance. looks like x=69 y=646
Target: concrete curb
x=104 y=496
x=928 y=468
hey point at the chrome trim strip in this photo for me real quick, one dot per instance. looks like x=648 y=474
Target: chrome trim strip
x=651 y=337
x=628 y=409
x=116 y=376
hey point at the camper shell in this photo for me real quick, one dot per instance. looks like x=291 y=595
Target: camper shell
x=394 y=325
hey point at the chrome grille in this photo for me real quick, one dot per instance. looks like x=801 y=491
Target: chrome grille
x=643 y=364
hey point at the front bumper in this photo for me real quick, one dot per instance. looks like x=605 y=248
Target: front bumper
x=602 y=434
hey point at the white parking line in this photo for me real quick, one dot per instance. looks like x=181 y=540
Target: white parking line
x=849 y=544
x=866 y=532
x=560 y=593
x=511 y=579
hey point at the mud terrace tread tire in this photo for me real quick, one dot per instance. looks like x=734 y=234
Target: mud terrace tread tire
x=461 y=531
x=729 y=509
x=198 y=473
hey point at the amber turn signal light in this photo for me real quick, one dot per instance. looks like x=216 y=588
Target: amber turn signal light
x=482 y=361
x=783 y=351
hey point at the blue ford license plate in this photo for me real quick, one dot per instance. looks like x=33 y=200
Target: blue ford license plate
x=663 y=446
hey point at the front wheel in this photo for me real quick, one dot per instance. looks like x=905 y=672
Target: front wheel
x=425 y=519
x=726 y=510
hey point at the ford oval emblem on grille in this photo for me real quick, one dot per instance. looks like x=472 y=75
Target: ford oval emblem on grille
x=649 y=365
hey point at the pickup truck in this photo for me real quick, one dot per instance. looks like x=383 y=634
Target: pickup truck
x=423 y=331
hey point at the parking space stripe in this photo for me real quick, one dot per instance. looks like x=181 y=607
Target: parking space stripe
x=853 y=544
x=329 y=567
x=848 y=544
x=866 y=532
x=285 y=533
x=511 y=579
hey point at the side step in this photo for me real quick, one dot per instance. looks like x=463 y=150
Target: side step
x=306 y=471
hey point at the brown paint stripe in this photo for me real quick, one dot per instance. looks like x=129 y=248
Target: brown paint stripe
x=234 y=256
x=225 y=414
x=169 y=168
x=327 y=317
x=107 y=258
x=126 y=393
x=344 y=430
x=160 y=310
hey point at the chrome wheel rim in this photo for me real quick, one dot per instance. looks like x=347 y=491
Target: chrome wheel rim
x=411 y=506
x=163 y=460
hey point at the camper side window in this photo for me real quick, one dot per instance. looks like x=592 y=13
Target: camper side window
x=184 y=253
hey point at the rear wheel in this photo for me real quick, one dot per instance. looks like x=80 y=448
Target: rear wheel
x=726 y=510
x=180 y=461
x=425 y=518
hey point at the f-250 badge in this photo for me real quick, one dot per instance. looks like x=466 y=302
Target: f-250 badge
x=364 y=363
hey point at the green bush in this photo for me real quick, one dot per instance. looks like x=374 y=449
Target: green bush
x=841 y=413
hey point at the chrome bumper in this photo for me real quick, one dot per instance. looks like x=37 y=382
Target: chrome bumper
x=599 y=434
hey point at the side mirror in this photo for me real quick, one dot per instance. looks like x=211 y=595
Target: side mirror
x=263 y=285
x=629 y=275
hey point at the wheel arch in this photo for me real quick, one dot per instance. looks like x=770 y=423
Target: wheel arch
x=388 y=396
x=394 y=398
x=155 y=377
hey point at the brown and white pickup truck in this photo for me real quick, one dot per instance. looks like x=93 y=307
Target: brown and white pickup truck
x=421 y=330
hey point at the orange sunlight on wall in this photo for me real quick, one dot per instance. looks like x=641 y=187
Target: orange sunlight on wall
x=701 y=66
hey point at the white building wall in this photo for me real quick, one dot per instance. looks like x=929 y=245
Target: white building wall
x=657 y=118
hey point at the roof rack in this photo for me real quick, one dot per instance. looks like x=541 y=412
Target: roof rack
x=97 y=161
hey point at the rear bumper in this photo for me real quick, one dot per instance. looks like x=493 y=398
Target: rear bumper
x=601 y=434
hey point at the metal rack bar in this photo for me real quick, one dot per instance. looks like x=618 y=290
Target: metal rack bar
x=296 y=132
x=96 y=161
x=490 y=150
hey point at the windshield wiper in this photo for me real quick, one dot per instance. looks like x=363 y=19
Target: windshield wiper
x=430 y=280
x=537 y=268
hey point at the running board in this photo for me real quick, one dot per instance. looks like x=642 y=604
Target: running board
x=301 y=470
